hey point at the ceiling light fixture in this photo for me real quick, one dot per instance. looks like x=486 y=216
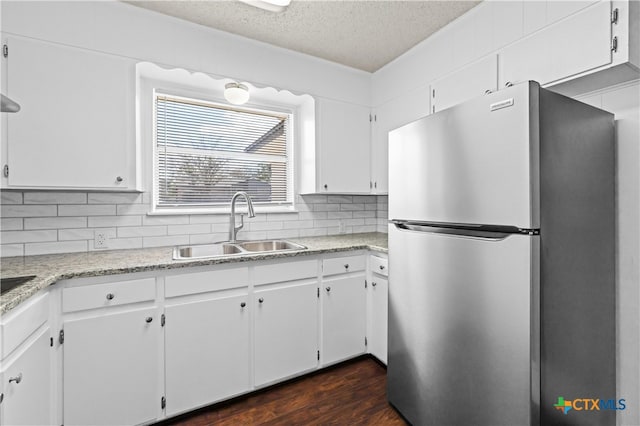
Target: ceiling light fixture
x=270 y=5
x=236 y=93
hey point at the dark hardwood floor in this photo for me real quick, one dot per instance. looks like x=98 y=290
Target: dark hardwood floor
x=352 y=393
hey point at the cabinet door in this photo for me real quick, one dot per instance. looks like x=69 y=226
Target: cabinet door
x=206 y=352
x=75 y=127
x=343 y=147
x=286 y=331
x=577 y=44
x=389 y=116
x=26 y=385
x=378 y=293
x=111 y=368
x=344 y=312
x=472 y=81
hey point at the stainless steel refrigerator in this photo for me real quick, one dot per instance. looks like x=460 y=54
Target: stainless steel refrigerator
x=501 y=251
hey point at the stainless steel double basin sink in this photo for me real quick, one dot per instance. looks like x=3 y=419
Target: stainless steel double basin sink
x=240 y=248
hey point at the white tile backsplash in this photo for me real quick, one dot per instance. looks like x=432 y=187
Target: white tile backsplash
x=86 y=210
x=60 y=221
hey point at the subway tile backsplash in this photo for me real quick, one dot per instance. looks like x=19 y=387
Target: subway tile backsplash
x=63 y=222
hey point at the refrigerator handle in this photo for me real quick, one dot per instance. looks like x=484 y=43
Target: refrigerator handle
x=482 y=232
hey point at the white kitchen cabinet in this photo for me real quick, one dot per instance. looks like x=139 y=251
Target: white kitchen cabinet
x=75 y=129
x=469 y=82
x=387 y=117
x=206 y=350
x=377 y=315
x=26 y=383
x=577 y=44
x=111 y=367
x=344 y=308
x=25 y=367
x=343 y=317
x=285 y=330
x=342 y=148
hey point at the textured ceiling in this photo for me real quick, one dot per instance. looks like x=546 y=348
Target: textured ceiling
x=360 y=34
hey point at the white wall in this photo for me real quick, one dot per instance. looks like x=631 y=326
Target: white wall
x=142 y=35
x=56 y=222
x=484 y=30
x=624 y=102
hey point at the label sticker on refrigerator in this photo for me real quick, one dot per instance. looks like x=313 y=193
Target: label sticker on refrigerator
x=502 y=104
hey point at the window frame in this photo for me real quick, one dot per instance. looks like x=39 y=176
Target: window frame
x=218 y=99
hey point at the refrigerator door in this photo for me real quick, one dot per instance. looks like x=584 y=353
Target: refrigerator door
x=463 y=340
x=473 y=163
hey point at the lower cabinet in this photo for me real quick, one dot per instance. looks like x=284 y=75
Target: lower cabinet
x=344 y=311
x=377 y=305
x=111 y=368
x=378 y=295
x=26 y=384
x=206 y=351
x=285 y=331
x=138 y=350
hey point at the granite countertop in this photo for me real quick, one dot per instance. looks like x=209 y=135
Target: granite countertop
x=49 y=269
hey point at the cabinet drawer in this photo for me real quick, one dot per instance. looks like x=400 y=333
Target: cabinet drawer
x=282 y=272
x=343 y=265
x=379 y=265
x=201 y=282
x=109 y=294
x=18 y=326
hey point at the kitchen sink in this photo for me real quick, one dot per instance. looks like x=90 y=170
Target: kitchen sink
x=239 y=248
x=206 y=250
x=270 y=245
x=8 y=284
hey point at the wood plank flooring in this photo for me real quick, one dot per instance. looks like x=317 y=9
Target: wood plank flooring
x=352 y=393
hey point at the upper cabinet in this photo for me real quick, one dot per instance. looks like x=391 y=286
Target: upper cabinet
x=75 y=129
x=388 y=116
x=473 y=80
x=593 y=39
x=342 y=154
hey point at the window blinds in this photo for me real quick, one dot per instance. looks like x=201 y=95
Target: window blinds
x=206 y=152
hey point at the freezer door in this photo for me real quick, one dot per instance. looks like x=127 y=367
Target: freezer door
x=474 y=163
x=463 y=345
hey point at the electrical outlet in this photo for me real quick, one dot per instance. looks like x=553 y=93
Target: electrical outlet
x=101 y=240
x=341 y=228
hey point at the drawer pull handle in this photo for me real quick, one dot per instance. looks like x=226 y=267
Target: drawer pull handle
x=374 y=284
x=148 y=319
x=261 y=300
x=382 y=267
x=242 y=304
x=16 y=379
x=346 y=266
x=328 y=289
x=110 y=296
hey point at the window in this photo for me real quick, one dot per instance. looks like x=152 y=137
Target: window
x=205 y=152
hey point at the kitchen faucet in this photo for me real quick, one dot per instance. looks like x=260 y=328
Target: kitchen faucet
x=233 y=229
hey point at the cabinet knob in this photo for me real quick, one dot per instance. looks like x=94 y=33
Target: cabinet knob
x=328 y=289
x=373 y=283
x=261 y=300
x=346 y=266
x=325 y=186
x=110 y=296
x=17 y=379
x=242 y=304
x=382 y=267
x=148 y=319
x=508 y=84
x=488 y=92
x=119 y=179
